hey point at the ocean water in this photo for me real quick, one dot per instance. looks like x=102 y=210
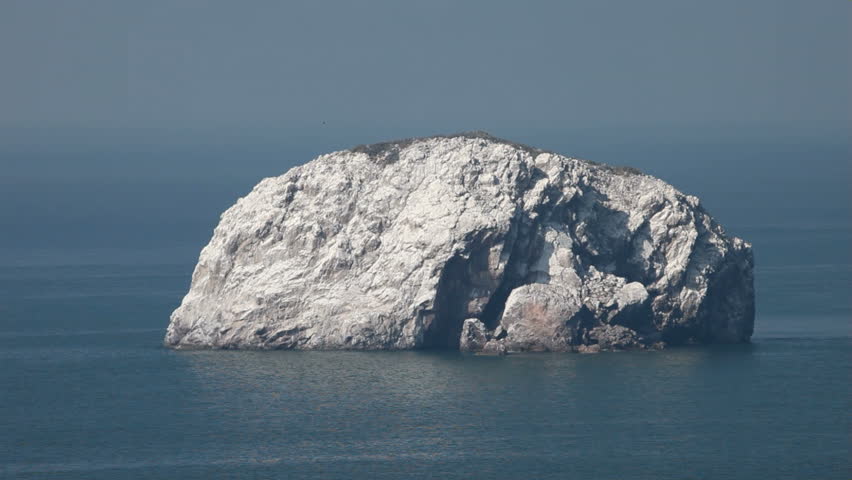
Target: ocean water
x=88 y=392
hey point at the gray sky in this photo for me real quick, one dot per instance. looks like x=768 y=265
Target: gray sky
x=140 y=122
x=426 y=65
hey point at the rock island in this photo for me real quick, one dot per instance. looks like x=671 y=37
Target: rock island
x=465 y=242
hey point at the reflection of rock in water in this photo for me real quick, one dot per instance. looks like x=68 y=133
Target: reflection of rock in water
x=465 y=241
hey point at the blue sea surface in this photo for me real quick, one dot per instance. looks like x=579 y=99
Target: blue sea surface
x=87 y=391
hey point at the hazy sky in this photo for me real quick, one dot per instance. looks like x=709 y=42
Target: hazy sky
x=426 y=65
x=138 y=123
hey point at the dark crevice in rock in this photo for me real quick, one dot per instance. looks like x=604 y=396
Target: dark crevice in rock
x=450 y=306
x=501 y=334
x=635 y=317
x=581 y=324
x=681 y=335
x=496 y=304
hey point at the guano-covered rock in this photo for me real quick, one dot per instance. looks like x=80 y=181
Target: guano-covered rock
x=465 y=242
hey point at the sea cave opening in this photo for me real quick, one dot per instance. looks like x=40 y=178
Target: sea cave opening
x=450 y=306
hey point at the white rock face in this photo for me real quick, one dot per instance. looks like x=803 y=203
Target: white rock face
x=396 y=245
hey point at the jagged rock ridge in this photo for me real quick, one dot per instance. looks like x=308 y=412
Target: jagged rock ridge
x=465 y=241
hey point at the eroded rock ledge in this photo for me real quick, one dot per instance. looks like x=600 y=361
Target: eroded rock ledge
x=465 y=242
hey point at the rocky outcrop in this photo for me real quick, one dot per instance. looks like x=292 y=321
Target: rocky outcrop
x=465 y=242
